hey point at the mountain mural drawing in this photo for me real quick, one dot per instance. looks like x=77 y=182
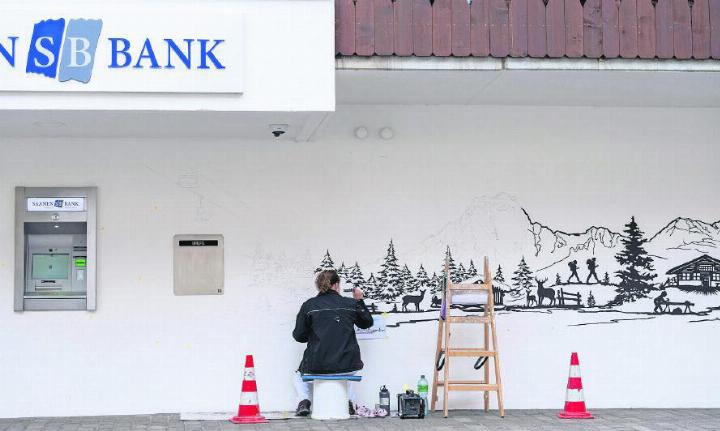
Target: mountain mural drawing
x=674 y=271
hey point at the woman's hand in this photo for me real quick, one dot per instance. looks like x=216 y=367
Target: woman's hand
x=357 y=294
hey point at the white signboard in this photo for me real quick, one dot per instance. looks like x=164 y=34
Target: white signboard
x=136 y=48
x=376 y=331
x=56 y=204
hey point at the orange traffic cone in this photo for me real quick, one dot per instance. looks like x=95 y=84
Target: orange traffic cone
x=574 y=398
x=249 y=410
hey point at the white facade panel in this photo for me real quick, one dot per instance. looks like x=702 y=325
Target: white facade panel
x=474 y=178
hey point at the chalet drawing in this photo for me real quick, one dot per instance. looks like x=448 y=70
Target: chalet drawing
x=702 y=272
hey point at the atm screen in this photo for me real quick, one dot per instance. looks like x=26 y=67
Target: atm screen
x=50 y=266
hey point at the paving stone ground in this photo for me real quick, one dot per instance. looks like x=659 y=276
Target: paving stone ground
x=529 y=420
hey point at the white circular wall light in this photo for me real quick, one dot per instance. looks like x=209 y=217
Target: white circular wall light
x=387 y=133
x=361 y=132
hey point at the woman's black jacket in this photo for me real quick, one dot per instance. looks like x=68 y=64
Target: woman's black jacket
x=327 y=324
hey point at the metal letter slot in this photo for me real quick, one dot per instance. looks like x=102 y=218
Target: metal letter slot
x=198 y=264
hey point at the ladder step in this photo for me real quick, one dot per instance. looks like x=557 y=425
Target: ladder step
x=468 y=319
x=463 y=382
x=461 y=351
x=469 y=287
x=469 y=385
x=472 y=387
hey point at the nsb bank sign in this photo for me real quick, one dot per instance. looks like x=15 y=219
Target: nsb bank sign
x=193 y=53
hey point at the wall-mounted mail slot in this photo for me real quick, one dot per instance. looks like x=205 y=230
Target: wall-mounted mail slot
x=198 y=264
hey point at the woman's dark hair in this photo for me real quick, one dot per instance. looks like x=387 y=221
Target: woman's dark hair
x=325 y=280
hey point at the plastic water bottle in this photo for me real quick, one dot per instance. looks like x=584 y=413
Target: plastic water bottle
x=422 y=388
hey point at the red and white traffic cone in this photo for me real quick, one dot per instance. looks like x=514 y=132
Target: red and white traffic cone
x=249 y=410
x=574 y=398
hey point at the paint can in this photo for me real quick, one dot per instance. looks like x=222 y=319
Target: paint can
x=385 y=399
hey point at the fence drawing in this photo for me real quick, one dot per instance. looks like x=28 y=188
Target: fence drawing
x=564 y=297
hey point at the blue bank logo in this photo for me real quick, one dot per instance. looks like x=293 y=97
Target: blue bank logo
x=78 y=41
x=59 y=203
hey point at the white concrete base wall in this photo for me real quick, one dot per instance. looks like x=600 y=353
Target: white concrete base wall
x=281 y=204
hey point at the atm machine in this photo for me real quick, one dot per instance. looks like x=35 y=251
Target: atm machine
x=55 y=264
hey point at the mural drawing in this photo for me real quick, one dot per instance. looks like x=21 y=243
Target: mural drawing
x=626 y=275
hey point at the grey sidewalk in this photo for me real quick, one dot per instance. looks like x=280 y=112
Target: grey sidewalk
x=530 y=420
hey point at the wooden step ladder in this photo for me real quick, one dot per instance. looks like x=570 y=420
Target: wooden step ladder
x=445 y=352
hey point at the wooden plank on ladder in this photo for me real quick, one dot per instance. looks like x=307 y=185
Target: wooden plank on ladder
x=498 y=378
x=446 y=344
x=470 y=387
x=436 y=372
x=488 y=313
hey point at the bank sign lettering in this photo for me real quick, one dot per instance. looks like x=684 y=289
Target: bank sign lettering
x=55 y=204
x=78 y=41
x=152 y=53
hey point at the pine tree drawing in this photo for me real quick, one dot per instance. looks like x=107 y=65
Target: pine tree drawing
x=390 y=277
x=327 y=263
x=450 y=266
x=606 y=279
x=408 y=281
x=637 y=273
x=558 y=280
x=421 y=278
x=462 y=272
x=356 y=277
x=591 y=300
x=472 y=271
x=435 y=286
x=522 y=277
x=343 y=272
x=499 y=277
x=372 y=289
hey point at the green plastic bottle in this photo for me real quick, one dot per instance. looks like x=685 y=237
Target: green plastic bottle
x=422 y=389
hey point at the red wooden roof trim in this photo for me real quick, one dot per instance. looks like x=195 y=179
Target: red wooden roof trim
x=680 y=29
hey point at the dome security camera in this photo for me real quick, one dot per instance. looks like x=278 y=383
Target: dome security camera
x=278 y=129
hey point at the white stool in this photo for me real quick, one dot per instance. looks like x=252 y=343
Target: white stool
x=330 y=395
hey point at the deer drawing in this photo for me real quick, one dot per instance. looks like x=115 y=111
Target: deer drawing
x=545 y=292
x=413 y=299
x=531 y=300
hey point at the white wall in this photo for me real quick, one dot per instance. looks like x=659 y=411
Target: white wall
x=281 y=204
